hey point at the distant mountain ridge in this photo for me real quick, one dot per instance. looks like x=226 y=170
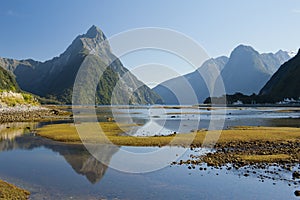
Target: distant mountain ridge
x=55 y=78
x=179 y=90
x=245 y=71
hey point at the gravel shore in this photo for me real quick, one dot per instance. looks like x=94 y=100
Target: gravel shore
x=25 y=113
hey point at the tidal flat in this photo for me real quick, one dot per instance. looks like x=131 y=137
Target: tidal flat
x=261 y=156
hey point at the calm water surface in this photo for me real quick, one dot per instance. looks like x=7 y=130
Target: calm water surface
x=52 y=170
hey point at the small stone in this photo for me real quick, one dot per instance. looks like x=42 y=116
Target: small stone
x=297 y=193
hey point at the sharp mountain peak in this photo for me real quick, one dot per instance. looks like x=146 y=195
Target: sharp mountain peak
x=243 y=49
x=95 y=33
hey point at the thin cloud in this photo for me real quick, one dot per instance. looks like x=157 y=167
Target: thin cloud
x=297 y=11
x=12 y=13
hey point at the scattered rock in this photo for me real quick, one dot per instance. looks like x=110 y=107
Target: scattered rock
x=296 y=175
x=110 y=119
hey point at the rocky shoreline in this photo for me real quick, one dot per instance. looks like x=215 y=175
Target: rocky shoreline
x=25 y=113
x=263 y=159
x=240 y=154
x=260 y=154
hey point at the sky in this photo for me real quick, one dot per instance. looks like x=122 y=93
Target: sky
x=41 y=29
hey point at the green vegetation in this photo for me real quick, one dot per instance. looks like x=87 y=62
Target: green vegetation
x=105 y=87
x=10 y=93
x=11 y=192
x=10 y=98
x=245 y=99
x=8 y=81
x=230 y=99
x=47 y=101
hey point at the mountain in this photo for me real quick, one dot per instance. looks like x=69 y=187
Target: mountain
x=285 y=82
x=274 y=61
x=190 y=88
x=245 y=71
x=55 y=78
x=8 y=81
x=292 y=54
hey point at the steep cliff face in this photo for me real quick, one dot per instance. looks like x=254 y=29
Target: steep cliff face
x=247 y=71
x=55 y=78
x=285 y=82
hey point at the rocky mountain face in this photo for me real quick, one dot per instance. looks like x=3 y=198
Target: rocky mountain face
x=245 y=71
x=179 y=90
x=55 y=78
x=285 y=82
x=12 y=64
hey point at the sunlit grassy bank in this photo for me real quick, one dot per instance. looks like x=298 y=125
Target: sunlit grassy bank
x=110 y=132
x=115 y=134
x=11 y=192
x=265 y=158
x=11 y=98
x=240 y=144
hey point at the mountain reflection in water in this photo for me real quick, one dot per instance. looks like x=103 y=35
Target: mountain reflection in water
x=75 y=154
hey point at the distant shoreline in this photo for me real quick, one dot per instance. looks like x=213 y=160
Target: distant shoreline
x=249 y=105
x=265 y=105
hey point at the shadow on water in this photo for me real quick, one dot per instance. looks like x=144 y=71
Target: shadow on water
x=18 y=137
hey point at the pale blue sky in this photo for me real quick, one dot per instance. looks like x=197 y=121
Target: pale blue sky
x=43 y=29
